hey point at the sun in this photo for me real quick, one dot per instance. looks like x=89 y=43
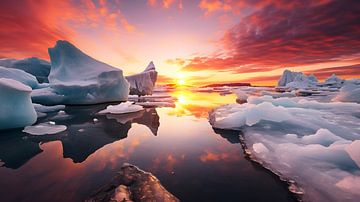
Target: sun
x=181 y=82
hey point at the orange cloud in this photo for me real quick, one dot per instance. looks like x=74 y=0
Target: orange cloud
x=30 y=33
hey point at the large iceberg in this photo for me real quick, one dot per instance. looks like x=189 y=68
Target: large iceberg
x=296 y=80
x=76 y=78
x=19 y=75
x=16 y=109
x=311 y=144
x=34 y=66
x=144 y=82
x=287 y=77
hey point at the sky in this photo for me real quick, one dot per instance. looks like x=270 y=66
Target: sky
x=198 y=41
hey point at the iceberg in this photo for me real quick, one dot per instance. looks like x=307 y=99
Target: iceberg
x=19 y=75
x=34 y=66
x=144 y=82
x=16 y=108
x=349 y=92
x=76 y=78
x=333 y=80
x=287 y=77
x=122 y=108
x=301 y=81
x=311 y=144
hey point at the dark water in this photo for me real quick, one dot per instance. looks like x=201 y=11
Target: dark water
x=177 y=145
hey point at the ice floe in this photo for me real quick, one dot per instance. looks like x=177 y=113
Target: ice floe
x=16 y=109
x=313 y=145
x=122 y=108
x=47 y=128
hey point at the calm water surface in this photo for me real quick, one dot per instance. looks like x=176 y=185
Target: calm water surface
x=177 y=145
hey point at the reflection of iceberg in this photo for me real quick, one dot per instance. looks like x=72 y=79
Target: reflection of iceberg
x=15 y=151
x=82 y=138
x=147 y=117
x=230 y=135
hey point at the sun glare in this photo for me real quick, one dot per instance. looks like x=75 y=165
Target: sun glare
x=181 y=82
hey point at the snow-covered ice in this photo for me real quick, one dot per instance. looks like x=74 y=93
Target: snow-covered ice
x=122 y=108
x=350 y=92
x=34 y=66
x=76 y=78
x=313 y=143
x=144 y=82
x=44 y=129
x=16 y=108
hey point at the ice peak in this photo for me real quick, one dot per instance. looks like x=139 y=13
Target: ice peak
x=150 y=67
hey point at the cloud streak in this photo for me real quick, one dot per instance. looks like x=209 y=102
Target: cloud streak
x=280 y=34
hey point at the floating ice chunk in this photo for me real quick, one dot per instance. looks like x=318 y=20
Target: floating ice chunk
x=16 y=109
x=19 y=75
x=156 y=104
x=236 y=116
x=334 y=80
x=241 y=96
x=278 y=95
x=353 y=150
x=46 y=109
x=76 y=78
x=144 y=82
x=350 y=92
x=44 y=129
x=122 y=108
x=34 y=66
x=317 y=145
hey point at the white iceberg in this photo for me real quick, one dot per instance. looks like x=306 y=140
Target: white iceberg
x=122 y=108
x=241 y=96
x=350 y=92
x=333 y=80
x=16 y=109
x=34 y=66
x=144 y=82
x=19 y=75
x=287 y=77
x=44 y=129
x=76 y=78
x=300 y=81
x=311 y=144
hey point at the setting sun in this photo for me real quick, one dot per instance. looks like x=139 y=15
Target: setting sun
x=181 y=82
